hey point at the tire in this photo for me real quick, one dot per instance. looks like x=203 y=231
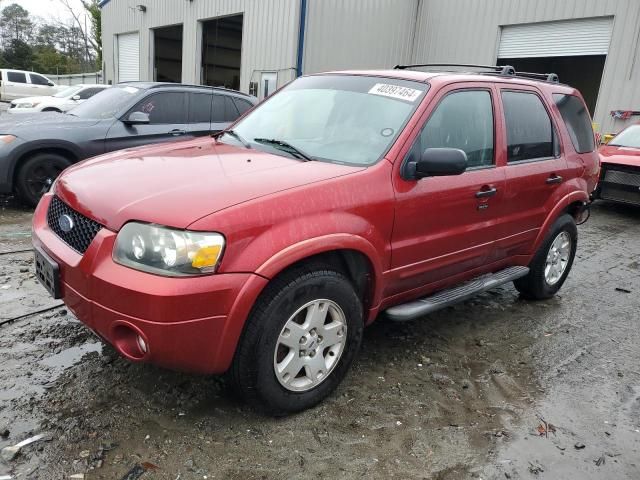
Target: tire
x=36 y=175
x=51 y=110
x=541 y=284
x=261 y=351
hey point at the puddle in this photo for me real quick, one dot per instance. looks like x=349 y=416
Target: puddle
x=69 y=357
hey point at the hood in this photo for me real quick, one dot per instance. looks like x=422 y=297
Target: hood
x=25 y=125
x=35 y=99
x=620 y=155
x=179 y=183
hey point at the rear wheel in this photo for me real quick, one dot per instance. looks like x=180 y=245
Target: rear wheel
x=37 y=174
x=551 y=264
x=299 y=341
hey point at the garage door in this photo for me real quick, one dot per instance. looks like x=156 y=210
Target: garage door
x=128 y=57
x=586 y=36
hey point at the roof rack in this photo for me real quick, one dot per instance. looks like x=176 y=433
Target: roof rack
x=503 y=70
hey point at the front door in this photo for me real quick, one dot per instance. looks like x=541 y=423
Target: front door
x=167 y=121
x=448 y=225
x=536 y=169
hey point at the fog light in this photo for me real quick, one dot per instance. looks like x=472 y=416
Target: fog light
x=142 y=345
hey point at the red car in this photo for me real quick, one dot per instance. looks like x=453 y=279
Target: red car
x=264 y=252
x=620 y=168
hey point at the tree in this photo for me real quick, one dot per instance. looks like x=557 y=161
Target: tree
x=15 y=24
x=95 y=15
x=18 y=55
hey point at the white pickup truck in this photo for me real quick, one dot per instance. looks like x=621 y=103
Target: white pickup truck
x=19 y=84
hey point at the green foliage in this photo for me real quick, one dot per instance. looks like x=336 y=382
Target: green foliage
x=50 y=48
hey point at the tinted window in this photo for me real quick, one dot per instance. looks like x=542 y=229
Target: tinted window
x=89 y=92
x=16 y=77
x=223 y=109
x=529 y=130
x=462 y=120
x=242 y=105
x=199 y=108
x=576 y=118
x=38 y=79
x=164 y=108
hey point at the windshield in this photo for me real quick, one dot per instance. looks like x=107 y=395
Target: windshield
x=629 y=137
x=107 y=103
x=336 y=118
x=68 y=92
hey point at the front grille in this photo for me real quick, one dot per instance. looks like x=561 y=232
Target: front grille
x=613 y=193
x=83 y=230
x=622 y=178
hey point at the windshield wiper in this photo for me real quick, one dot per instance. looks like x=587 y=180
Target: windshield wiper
x=234 y=135
x=285 y=146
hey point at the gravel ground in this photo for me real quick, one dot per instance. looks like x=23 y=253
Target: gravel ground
x=496 y=387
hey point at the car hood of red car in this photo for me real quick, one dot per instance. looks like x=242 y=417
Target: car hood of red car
x=177 y=184
x=620 y=155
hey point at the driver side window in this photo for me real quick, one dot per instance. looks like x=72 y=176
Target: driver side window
x=462 y=120
x=164 y=108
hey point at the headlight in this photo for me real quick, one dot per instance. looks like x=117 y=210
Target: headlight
x=7 y=138
x=27 y=105
x=167 y=251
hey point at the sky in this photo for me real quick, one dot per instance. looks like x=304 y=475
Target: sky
x=46 y=9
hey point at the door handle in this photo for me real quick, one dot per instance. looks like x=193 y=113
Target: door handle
x=554 y=179
x=486 y=192
x=176 y=132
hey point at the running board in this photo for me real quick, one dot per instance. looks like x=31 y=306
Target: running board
x=446 y=298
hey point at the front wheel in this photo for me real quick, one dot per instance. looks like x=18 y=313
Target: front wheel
x=299 y=341
x=552 y=262
x=37 y=174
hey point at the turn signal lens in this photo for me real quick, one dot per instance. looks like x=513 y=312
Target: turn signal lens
x=206 y=257
x=7 y=138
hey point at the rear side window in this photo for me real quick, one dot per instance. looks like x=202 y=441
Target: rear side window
x=463 y=120
x=38 y=79
x=242 y=105
x=199 y=108
x=16 y=77
x=576 y=118
x=164 y=108
x=224 y=109
x=529 y=129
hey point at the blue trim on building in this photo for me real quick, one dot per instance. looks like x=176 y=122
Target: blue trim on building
x=102 y=3
x=303 y=22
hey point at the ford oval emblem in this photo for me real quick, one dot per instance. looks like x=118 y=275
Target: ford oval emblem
x=66 y=223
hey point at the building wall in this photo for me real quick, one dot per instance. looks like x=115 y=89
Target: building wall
x=358 y=34
x=468 y=31
x=270 y=34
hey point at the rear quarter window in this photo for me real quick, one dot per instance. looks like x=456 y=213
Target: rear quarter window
x=16 y=77
x=576 y=118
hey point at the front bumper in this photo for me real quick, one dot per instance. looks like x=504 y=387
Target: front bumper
x=190 y=324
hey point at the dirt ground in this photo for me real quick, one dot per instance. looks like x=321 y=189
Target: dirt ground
x=497 y=387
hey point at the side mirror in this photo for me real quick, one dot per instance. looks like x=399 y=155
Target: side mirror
x=51 y=84
x=438 y=162
x=75 y=97
x=137 y=118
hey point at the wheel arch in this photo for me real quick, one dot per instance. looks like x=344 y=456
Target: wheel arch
x=63 y=149
x=570 y=204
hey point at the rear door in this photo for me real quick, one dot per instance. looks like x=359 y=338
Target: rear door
x=167 y=121
x=446 y=226
x=199 y=121
x=536 y=168
x=16 y=85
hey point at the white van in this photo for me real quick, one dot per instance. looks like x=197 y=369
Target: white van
x=19 y=84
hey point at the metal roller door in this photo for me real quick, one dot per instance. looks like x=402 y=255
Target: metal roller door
x=586 y=36
x=128 y=57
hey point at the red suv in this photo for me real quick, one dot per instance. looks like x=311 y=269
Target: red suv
x=264 y=252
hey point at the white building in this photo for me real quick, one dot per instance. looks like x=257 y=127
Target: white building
x=259 y=45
